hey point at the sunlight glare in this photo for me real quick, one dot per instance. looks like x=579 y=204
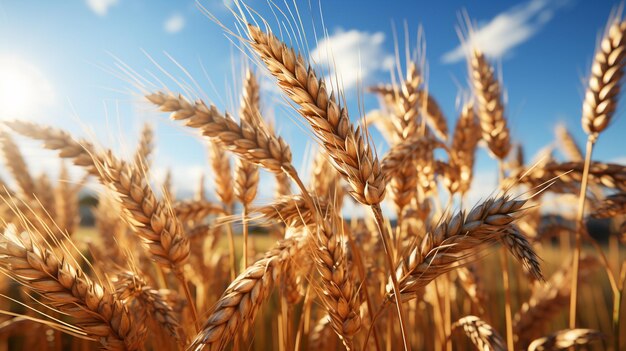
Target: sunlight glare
x=24 y=91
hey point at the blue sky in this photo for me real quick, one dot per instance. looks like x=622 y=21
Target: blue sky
x=68 y=51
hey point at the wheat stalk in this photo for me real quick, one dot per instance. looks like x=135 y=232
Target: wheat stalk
x=161 y=232
x=345 y=145
x=66 y=202
x=293 y=210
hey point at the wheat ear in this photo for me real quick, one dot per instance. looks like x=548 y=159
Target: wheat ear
x=56 y=139
x=568 y=144
x=565 y=339
x=462 y=150
x=490 y=108
x=460 y=236
x=66 y=202
x=132 y=286
x=144 y=148
x=195 y=211
x=483 y=336
x=547 y=301
x=339 y=293
x=14 y=160
x=236 y=310
x=330 y=122
x=64 y=286
x=612 y=206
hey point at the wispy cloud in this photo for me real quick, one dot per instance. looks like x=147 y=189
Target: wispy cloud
x=353 y=55
x=508 y=29
x=101 y=7
x=174 y=24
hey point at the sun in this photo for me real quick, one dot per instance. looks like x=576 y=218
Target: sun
x=24 y=90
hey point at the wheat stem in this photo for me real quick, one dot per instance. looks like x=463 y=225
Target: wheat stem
x=231 y=250
x=382 y=229
x=591 y=139
x=244 y=229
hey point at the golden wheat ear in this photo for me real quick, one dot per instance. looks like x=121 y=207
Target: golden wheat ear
x=565 y=339
x=462 y=236
x=236 y=310
x=65 y=287
x=482 y=335
x=489 y=104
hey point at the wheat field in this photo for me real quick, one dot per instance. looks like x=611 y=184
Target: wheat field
x=421 y=269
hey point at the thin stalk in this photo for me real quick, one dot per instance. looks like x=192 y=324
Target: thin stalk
x=382 y=229
x=591 y=139
x=440 y=340
x=447 y=312
x=617 y=304
x=231 y=249
x=617 y=296
x=361 y=269
x=190 y=300
x=244 y=229
x=304 y=325
x=507 y=300
x=508 y=315
x=398 y=234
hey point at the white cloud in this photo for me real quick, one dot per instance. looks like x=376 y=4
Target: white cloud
x=353 y=55
x=507 y=30
x=174 y=23
x=101 y=7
